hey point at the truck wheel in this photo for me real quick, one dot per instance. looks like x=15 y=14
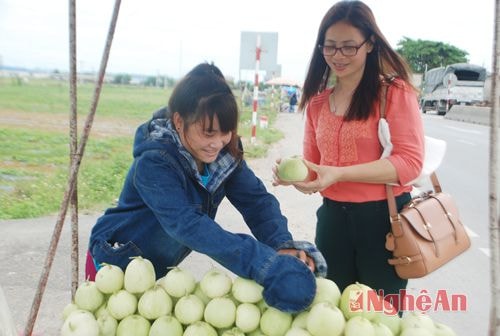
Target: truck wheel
x=441 y=107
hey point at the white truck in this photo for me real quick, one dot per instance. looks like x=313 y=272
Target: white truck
x=459 y=83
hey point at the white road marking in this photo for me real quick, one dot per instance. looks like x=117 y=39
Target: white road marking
x=471 y=233
x=466 y=142
x=485 y=251
x=463 y=130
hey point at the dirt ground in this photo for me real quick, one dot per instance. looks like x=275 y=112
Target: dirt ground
x=24 y=243
x=101 y=126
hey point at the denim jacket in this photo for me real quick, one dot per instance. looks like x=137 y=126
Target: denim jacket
x=164 y=211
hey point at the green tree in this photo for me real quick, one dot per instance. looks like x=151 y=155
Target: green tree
x=160 y=81
x=150 y=81
x=419 y=53
x=122 y=79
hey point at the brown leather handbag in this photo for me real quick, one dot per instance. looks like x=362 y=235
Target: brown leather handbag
x=427 y=233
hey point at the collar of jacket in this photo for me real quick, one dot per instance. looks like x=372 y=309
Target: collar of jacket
x=219 y=170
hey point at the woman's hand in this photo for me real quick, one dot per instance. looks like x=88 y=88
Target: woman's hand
x=301 y=255
x=325 y=177
x=276 y=180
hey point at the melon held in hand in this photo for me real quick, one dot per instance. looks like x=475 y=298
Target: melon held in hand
x=292 y=169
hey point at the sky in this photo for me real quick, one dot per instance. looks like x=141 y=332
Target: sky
x=169 y=37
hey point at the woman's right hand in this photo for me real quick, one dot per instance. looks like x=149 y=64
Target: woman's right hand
x=289 y=285
x=276 y=180
x=301 y=255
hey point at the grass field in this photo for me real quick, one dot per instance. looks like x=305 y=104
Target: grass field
x=34 y=134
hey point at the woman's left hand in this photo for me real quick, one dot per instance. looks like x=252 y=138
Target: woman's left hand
x=325 y=177
x=301 y=255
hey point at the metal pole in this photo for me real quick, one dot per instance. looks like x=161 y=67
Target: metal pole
x=72 y=177
x=256 y=91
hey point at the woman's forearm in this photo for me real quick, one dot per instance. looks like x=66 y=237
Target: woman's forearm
x=380 y=171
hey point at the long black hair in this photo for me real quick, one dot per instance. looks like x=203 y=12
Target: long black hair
x=204 y=92
x=382 y=61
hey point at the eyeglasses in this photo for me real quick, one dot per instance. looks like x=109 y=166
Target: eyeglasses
x=327 y=50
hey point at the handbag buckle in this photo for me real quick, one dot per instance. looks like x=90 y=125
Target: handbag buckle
x=396 y=219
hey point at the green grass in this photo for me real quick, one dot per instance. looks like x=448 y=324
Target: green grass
x=50 y=96
x=264 y=136
x=34 y=161
x=34 y=172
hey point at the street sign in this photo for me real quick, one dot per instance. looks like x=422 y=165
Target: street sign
x=269 y=48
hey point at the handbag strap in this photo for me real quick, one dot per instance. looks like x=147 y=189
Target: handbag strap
x=383 y=97
x=391 y=200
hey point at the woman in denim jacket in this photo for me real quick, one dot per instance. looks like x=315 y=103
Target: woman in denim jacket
x=187 y=158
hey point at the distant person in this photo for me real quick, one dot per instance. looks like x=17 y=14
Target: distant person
x=187 y=159
x=342 y=147
x=293 y=102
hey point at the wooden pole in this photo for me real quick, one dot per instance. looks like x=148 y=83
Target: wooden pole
x=73 y=134
x=494 y=328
